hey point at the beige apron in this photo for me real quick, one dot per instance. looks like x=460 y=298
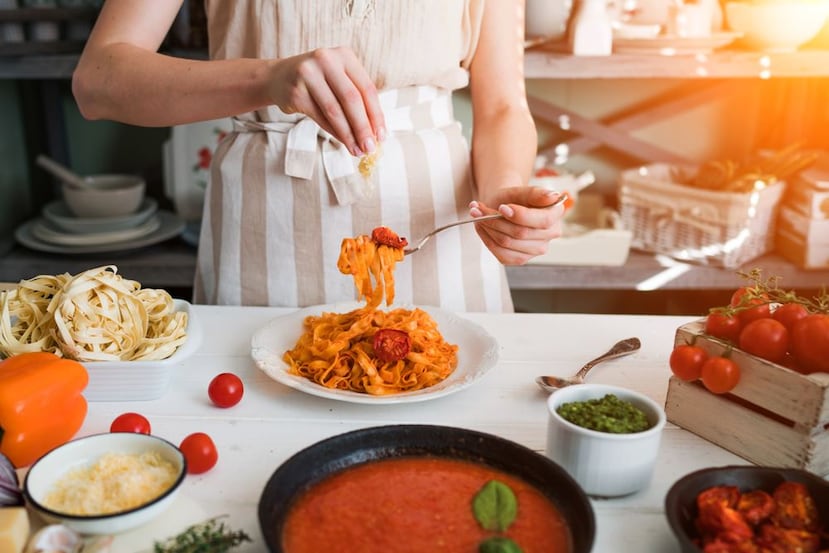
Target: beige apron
x=283 y=193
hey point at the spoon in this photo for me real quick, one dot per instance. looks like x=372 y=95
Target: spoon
x=60 y=171
x=623 y=347
x=426 y=238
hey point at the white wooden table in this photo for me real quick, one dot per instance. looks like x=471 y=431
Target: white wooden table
x=273 y=421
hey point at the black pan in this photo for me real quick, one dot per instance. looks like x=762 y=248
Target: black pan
x=332 y=455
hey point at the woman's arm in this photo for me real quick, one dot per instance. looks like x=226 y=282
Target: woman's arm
x=121 y=76
x=505 y=141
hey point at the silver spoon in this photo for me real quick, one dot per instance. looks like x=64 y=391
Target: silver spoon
x=422 y=242
x=623 y=347
x=63 y=173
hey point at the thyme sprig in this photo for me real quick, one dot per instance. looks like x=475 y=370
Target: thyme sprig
x=210 y=536
x=761 y=290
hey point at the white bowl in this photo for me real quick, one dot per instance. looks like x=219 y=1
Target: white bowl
x=141 y=380
x=106 y=196
x=776 y=26
x=81 y=452
x=604 y=464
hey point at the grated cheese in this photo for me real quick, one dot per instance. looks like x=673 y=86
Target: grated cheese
x=115 y=482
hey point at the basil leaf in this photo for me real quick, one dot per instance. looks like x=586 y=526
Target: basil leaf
x=495 y=506
x=499 y=544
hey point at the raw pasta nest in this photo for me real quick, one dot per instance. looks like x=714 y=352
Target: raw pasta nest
x=96 y=315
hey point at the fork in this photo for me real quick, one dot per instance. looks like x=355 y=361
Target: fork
x=426 y=238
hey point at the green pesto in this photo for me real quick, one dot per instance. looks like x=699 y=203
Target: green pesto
x=606 y=414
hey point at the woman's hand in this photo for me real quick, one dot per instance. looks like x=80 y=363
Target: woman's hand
x=332 y=87
x=530 y=222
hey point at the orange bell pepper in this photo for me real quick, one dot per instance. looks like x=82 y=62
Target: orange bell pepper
x=41 y=404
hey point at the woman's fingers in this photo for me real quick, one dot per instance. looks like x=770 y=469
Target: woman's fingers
x=331 y=86
x=526 y=228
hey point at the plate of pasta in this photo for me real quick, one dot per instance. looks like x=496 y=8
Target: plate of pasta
x=448 y=353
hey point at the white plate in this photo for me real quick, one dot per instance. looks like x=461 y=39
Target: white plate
x=171 y=226
x=477 y=354
x=59 y=215
x=43 y=230
x=674 y=45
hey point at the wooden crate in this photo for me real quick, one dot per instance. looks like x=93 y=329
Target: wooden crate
x=774 y=417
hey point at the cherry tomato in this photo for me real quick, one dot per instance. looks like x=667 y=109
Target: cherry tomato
x=130 y=422
x=720 y=375
x=789 y=314
x=200 y=452
x=810 y=343
x=386 y=236
x=765 y=338
x=722 y=326
x=686 y=361
x=226 y=390
x=742 y=298
x=391 y=344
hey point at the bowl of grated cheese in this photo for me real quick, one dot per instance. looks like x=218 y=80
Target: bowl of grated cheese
x=105 y=483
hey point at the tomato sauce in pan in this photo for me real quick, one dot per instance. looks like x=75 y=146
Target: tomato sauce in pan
x=415 y=504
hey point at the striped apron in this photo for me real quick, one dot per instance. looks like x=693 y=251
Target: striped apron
x=283 y=194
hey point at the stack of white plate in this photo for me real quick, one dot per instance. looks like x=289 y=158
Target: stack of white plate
x=58 y=230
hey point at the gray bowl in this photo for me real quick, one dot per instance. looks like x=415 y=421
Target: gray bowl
x=105 y=196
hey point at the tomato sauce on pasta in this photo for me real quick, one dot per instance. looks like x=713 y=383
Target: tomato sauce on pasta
x=415 y=504
x=340 y=350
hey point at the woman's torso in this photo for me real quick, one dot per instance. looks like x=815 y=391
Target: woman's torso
x=272 y=238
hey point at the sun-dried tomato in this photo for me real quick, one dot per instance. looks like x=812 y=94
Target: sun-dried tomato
x=756 y=506
x=774 y=539
x=716 y=521
x=795 y=507
x=756 y=521
x=391 y=344
x=727 y=495
x=387 y=237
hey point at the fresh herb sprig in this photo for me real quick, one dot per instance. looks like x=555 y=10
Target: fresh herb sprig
x=210 y=536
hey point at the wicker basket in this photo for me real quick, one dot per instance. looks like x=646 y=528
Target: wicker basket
x=725 y=229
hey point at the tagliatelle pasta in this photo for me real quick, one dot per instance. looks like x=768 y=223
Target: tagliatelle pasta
x=96 y=315
x=343 y=350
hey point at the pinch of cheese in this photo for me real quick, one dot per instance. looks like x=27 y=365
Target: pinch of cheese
x=14 y=529
x=115 y=482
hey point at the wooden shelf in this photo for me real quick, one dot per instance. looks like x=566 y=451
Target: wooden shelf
x=731 y=64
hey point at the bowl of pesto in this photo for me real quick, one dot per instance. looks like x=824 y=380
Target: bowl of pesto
x=606 y=437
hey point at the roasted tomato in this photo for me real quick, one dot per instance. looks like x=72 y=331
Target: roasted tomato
x=794 y=507
x=774 y=539
x=717 y=521
x=391 y=345
x=387 y=237
x=726 y=495
x=755 y=506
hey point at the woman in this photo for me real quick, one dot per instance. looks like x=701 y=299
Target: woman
x=315 y=88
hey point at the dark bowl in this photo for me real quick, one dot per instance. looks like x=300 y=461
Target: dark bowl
x=680 y=501
x=335 y=454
